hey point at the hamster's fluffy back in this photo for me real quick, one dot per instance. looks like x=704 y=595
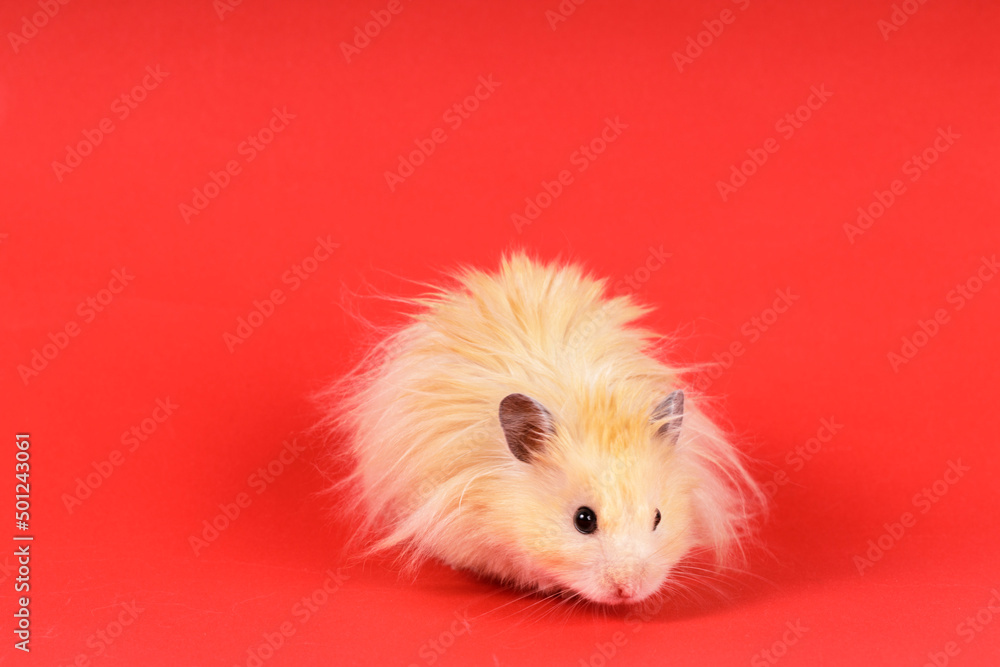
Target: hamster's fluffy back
x=420 y=412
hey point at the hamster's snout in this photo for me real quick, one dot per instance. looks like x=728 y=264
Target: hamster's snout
x=626 y=590
x=624 y=581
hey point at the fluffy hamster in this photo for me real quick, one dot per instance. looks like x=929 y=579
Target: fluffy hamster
x=520 y=426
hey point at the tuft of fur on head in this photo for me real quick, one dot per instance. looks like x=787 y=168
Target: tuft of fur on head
x=432 y=475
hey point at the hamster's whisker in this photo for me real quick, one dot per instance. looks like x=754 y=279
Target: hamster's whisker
x=734 y=573
x=538 y=605
x=505 y=604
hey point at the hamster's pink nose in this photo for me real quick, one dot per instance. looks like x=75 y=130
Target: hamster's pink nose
x=626 y=591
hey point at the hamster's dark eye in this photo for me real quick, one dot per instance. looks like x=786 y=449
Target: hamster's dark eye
x=656 y=520
x=585 y=520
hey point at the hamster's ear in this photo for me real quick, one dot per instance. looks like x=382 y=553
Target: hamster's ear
x=672 y=410
x=526 y=425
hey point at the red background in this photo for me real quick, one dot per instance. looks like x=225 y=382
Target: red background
x=323 y=175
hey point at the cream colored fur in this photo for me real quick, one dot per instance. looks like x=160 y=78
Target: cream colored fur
x=433 y=475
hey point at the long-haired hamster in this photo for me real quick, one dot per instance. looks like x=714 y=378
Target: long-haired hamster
x=521 y=425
